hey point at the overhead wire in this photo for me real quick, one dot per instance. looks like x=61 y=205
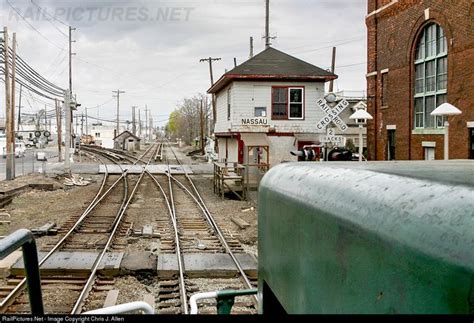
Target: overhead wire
x=32 y=27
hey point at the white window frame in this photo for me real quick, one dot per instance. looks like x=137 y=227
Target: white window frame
x=423 y=61
x=302 y=102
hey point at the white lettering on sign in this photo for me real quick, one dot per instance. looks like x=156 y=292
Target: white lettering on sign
x=338 y=140
x=254 y=121
x=332 y=114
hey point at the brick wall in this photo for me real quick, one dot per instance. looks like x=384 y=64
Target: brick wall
x=392 y=35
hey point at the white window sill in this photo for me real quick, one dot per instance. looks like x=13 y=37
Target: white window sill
x=428 y=131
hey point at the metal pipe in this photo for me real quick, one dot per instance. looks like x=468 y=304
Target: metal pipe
x=24 y=238
x=123 y=308
x=222 y=294
x=193 y=300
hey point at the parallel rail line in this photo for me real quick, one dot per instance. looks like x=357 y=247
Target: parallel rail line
x=9 y=300
x=209 y=229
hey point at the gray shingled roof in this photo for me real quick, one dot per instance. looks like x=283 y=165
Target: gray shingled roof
x=272 y=63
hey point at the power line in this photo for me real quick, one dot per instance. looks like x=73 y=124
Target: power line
x=32 y=27
x=44 y=10
x=33 y=72
x=325 y=47
x=46 y=13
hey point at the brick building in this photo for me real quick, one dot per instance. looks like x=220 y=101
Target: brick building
x=420 y=54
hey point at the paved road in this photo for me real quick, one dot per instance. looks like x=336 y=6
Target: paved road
x=27 y=164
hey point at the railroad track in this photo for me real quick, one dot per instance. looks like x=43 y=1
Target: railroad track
x=190 y=228
x=67 y=294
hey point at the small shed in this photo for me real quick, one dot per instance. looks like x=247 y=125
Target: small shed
x=127 y=141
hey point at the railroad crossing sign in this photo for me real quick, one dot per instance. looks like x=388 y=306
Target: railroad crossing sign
x=332 y=114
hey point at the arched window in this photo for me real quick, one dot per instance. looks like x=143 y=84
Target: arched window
x=431 y=76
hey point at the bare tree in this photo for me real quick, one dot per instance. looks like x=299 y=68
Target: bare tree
x=184 y=122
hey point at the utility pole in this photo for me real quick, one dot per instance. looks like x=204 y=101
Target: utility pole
x=139 y=124
x=210 y=60
x=77 y=126
x=67 y=141
x=202 y=129
x=152 y=127
x=146 y=121
x=333 y=66
x=70 y=58
x=267 y=24
x=82 y=124
x=207 y=130
x=118 y=110
x=58 y=125
x=251 y=47
x=7 y=73
x=150 y=132
x=134 y=127
x=45 y=119
x=87 y=124
x=10 y=101
x=19 y=110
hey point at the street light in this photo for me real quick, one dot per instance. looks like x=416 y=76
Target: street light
x=446 y=109
x=361 y=114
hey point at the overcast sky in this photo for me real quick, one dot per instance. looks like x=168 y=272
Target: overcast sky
x=151 y=49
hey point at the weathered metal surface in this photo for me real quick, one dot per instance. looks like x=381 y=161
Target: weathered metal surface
x=368 y=238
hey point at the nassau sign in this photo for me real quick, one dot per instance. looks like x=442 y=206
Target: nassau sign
x=254 y=121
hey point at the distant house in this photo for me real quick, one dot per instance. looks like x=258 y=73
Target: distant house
x=266 y=107
x=127 y=141
x=103 y=134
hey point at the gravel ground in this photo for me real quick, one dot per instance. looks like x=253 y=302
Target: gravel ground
x=36 y=208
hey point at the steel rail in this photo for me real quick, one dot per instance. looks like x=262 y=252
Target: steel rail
x=89 y=283
x=207 y=214
x=179 y=255
x=9 y=299
x=172 y=210
x=213 y=223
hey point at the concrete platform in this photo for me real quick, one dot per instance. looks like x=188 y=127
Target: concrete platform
x=138 y=262
x=7 y=262
x=198 y=265
x=55 y=168
x=154 y=169
x=206 y=265
x=77 y=263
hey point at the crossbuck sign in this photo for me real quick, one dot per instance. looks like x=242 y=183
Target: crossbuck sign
x=332 y=114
